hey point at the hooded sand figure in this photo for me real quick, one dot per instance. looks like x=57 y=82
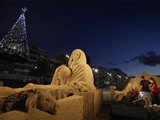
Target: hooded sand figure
x=82 y=76
x=76 y=76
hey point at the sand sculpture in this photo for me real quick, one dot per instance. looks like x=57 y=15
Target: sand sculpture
x=77 y=76
x=133 y=85
x=71 y=79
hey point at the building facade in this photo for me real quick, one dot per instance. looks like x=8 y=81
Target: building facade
x=20 y=61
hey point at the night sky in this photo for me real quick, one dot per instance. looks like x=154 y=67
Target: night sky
x=122 y=34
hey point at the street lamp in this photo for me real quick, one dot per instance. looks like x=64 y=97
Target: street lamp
x=96 y=70
x=67 y=56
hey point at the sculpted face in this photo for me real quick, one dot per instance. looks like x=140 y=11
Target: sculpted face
x=77 y=57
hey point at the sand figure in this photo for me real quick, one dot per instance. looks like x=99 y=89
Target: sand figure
x=41 y=100
x=133 y=85
x=15 y=101
x=61 y=76
x=77 y=76
x=27 y=101
x=82 y=76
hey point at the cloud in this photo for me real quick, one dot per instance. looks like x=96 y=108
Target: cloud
x=150 y=59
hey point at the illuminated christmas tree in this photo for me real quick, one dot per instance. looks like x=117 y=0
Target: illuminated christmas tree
x=15 y=41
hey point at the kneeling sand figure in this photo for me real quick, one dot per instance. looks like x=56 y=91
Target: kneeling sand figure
x=67 y=80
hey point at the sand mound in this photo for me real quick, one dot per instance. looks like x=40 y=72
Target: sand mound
x=6 y=91
x=34 y=115
x=14 y=115
x=39 y=115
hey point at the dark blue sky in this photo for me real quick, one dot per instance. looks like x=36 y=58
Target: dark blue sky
x=109 y=31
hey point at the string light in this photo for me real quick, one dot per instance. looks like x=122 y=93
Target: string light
x=15 y=41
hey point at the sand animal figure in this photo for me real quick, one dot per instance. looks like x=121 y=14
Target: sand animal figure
x=133 y=85
x=15 y=101
x=27 y=101
x=77 y=76
x=41 y=100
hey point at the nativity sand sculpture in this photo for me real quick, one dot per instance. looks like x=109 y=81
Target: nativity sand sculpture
x=67 y=80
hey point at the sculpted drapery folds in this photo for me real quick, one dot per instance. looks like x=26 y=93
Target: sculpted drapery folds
x=76 y=76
